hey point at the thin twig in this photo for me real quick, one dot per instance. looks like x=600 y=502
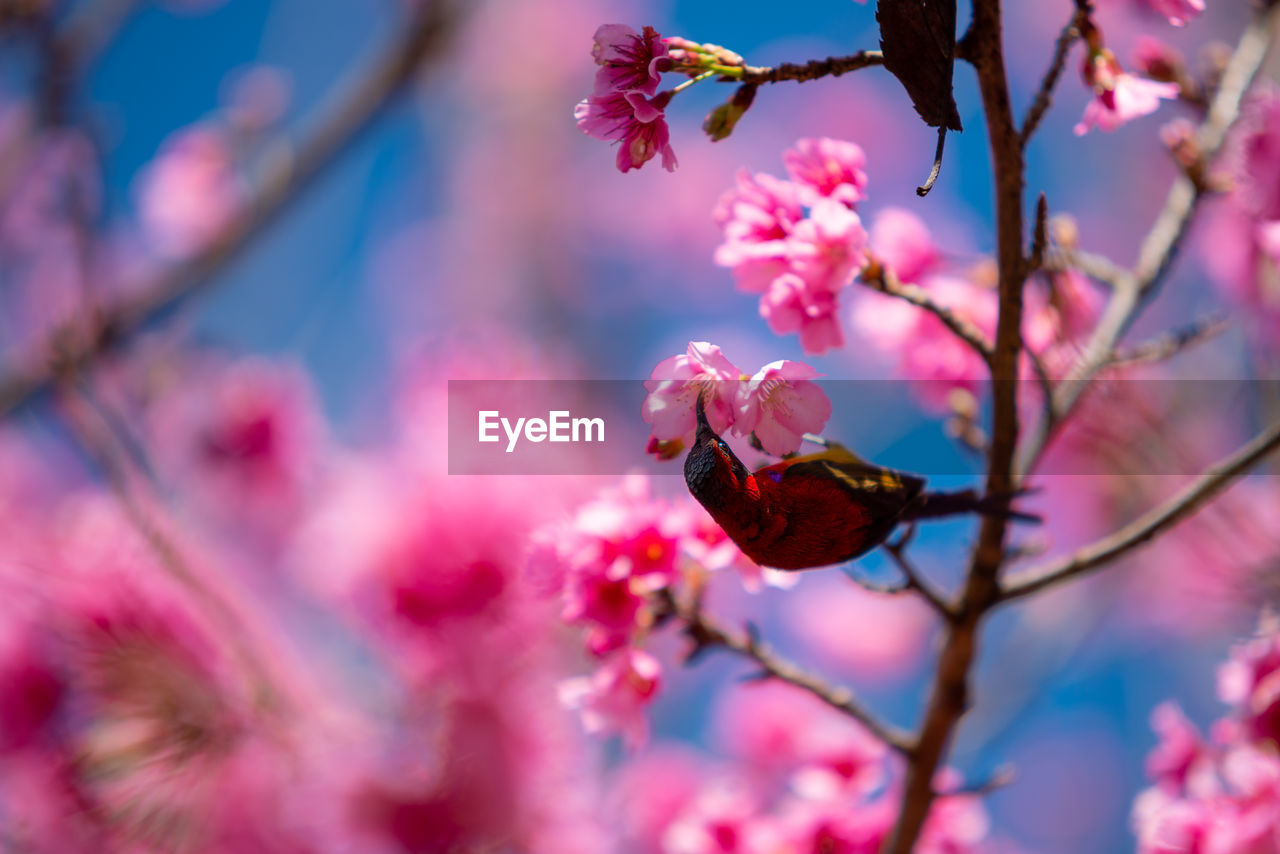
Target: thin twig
x=282 y=178
x=878 y=277
x=92 y=27
x=1045 y=383
x=1097 y=267
x=1044 y=95
x=707 y=634
x=1173 y=342
x=915 y=580
x=832 y=66
x=1000 y=778
x=1193 y=497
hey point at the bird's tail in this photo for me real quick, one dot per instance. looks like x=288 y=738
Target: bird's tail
x=932 y=505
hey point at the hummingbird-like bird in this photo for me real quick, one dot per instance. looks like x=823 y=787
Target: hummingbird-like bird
x=817 y=509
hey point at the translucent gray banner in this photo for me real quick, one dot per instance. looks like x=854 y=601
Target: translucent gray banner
x=1122 y=427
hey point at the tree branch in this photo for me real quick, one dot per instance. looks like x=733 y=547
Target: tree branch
x=1171 y=343
x=707 y=634
x=1133 y=289
x=949 y=696
x=289 y=170
x=92 y=27
x=879 y=278
x=1097 y=267
x=915 y=580
x=832 y=66
x=1193 y=497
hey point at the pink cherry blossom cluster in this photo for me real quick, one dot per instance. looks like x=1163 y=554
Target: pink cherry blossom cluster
x=623 y=107
x=615 y=565
x=800 y=778
x=1219 y=795
x=798 y=243
x=777 y=404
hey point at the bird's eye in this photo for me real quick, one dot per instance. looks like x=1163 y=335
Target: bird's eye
x=722 y=444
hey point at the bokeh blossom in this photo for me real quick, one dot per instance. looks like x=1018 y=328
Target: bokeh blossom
x=616 y=697
x=1241 y=244
x=189 y=193
x=1179 y=12
x=827 y=168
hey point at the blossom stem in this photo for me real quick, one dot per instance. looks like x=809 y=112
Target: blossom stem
x=1044 y=95
x=686 y=84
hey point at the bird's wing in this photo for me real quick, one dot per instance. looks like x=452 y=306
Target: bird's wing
x=883 y=492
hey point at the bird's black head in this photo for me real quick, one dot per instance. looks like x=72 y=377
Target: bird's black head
x=711 y=470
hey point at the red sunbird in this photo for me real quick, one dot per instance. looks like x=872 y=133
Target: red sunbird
x=817 y=509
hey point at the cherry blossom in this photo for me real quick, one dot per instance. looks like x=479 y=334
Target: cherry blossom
x=629 y=61
x=1179 y=12
x=634 y=121
x=791 y=305
x=826 y=248
x=1250 y=681
x=827 y=168
x=1179 y=750
x=623 y=107
x=757 y=218
x=1120 y=97
x=676 y=384
x=1224 y=796
x=722 y=819
x=616 y=698
x=781 y=403
x=901 y=241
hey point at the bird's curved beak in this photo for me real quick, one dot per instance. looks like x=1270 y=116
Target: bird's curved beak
x=704 y=426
